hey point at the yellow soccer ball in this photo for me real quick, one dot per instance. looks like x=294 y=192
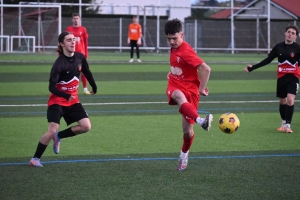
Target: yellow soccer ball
x=229 y=123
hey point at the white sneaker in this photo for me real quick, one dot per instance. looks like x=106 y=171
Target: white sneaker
x=207 y=122
x=183 y=160
x=131 y=60
x=287 y=128
x=139 y=60
x=86 y=92
x=281 y=128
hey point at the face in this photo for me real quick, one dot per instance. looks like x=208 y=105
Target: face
x=290 y=35
x=76 y=21
x=68 y=44
x=134 y=20
x=175 y=40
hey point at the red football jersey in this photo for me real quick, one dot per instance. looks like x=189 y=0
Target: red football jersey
x=69 y=87
x=183 y=73
x=81 y=37
x=65 y=74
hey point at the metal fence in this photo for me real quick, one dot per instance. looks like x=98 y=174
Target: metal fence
x=110 y=33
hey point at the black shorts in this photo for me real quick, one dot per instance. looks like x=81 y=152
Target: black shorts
x=133 y=43
x=70 y=114
x=288 y=84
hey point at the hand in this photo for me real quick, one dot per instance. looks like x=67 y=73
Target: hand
x=168 y=75
x=204 y=92
x=139 y=42
x=246 y=68
x=128 y=41
x=92 y=92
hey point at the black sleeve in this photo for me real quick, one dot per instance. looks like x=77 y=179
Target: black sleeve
x=88 y=74
x=271 y=56
x=56 y=91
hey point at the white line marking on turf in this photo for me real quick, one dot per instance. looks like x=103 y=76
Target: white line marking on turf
x=134 y=103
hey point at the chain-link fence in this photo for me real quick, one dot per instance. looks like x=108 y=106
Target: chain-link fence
x=110 y=33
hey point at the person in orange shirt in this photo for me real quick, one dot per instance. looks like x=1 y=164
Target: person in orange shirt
x=81 y=37
x=134 y=38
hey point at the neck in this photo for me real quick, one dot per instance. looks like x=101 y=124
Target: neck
x=288 y=42
x=68 y=53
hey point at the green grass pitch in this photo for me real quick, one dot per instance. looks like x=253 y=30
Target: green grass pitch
x=132 y=149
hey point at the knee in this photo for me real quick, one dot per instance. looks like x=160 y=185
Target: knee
x=85 y=128
x=290 y=103
x=188 y=133
x=283 y=101
x=289 y=100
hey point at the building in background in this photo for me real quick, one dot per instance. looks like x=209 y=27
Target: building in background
x=280 y=10
x=180 y=9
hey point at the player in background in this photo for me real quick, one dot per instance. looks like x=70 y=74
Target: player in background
x=134 y=38
x=185 y=86
x=81 y=36
x=63 y=100
x=288 y=73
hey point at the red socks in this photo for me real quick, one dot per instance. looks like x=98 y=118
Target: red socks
x=188 y=110
x=187 y=143
x=84 y=81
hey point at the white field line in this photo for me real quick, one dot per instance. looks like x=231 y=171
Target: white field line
x=140 y=103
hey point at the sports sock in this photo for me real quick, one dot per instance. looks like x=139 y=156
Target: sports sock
x=84 y=81
x=200 y=120
x=187 y=109
x=282 y=111
x=66 y=133
x=40 y=150
x=187 y=143
x=289 y=113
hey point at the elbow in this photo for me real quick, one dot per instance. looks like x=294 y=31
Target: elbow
x=206 y=69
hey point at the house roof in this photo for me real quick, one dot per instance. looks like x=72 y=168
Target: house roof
x=221 y=14
x=291 y=6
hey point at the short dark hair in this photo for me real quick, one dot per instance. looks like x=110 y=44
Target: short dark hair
x=75 y=15
x=292 y=27
x=173 y=26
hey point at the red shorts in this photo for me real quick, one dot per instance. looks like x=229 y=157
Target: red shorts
x=190 y=97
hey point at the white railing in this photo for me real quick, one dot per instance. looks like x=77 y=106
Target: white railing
x=27 y=43
x=7 y=37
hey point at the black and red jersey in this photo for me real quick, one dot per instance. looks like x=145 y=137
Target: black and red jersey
x=288 y=59
x=64 y=79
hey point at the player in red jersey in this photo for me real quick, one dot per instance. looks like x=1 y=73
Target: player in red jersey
x=288 y=73
x=134 y=38
x=185 y=86
x=81 y=36
x=63 y=101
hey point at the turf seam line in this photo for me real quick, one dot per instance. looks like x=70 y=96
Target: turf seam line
x=155 y=159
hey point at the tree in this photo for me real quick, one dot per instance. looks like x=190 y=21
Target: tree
x=198 y=13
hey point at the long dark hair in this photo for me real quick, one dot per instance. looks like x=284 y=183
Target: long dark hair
x=61 y=38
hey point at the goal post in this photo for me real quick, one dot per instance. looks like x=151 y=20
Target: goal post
x=26 y=47
x=25 y=21
x=6 y=42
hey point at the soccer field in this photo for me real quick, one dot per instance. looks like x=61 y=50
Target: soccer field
x=132 y=149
